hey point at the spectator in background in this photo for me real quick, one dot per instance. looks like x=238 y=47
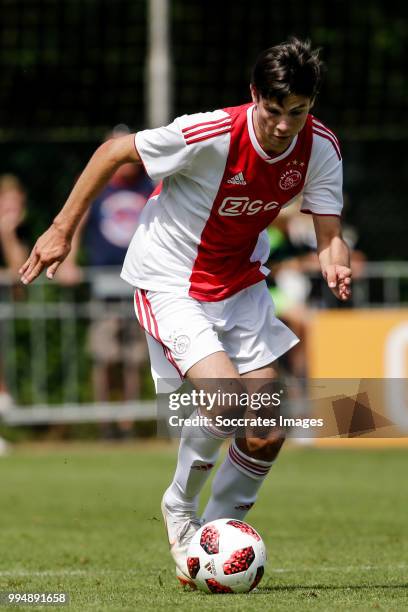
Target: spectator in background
x=13 y=252
x=13 y=229
x=105 y=235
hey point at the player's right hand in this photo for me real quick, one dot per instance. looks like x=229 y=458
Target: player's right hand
x=49 y=252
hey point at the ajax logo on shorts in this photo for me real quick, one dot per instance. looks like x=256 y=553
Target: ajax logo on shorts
x=180 y=342
x=235 y=206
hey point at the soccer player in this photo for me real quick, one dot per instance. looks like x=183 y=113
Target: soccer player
x=196 y=259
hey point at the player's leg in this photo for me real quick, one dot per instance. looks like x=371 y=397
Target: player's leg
x=198 y=452
x=181 y=333
x=182 y=340
x=247 y=463
x=200 y=445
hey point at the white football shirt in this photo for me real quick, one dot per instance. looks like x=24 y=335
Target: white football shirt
x=202 y=231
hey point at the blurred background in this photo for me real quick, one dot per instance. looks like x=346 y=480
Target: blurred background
x=72 y=72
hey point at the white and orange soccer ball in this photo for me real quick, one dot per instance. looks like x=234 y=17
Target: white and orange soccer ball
x=226 y=556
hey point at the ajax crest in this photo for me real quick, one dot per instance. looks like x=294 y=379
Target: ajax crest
x=181 y=342
x=289 y=179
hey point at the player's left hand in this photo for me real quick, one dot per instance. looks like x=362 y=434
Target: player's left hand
x=339 y=281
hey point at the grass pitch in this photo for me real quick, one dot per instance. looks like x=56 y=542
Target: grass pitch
x=86 y=520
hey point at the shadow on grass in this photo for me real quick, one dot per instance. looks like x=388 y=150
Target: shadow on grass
x=325 y=587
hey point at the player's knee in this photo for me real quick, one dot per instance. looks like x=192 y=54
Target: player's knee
x=265 y=449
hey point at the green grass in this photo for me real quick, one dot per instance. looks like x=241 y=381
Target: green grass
x=87 y=521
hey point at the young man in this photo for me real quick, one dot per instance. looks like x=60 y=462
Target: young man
x=196 y=259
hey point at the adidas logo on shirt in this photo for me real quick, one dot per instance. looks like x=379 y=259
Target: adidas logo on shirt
x=238 y=179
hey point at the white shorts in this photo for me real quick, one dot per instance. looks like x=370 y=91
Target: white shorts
x=182 y=330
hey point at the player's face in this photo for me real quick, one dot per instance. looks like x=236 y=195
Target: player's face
x=277 y=123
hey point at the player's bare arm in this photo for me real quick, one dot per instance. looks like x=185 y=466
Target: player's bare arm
x=334 y=256
x=53 y=246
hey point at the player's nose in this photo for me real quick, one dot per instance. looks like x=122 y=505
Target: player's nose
x=283 y=127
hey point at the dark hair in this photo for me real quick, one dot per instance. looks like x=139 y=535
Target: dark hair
x=289 y=68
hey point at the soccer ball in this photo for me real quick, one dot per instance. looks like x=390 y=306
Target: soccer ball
x=226 y=556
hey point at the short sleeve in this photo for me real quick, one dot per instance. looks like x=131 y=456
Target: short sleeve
x=323 y=191
x=168 y=150
x=163 y=150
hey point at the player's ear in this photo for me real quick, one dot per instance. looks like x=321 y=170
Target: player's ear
x=312 y=101
x=254 y=94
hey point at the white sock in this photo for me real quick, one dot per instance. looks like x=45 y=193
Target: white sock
x=236 y=485
x=198 y=452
